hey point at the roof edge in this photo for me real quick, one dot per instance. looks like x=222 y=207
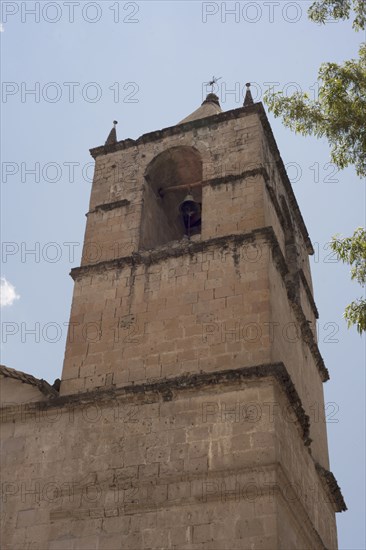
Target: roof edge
x=175 y=129
x=25 y=378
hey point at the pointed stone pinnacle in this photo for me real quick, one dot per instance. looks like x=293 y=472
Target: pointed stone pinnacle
x=112 y=137
x=248 y=100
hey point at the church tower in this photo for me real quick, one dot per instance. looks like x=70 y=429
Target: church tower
x=192 y=367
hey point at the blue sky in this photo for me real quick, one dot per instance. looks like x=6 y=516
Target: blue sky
x=145 y=64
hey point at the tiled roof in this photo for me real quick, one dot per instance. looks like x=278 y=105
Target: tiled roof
x=41 y=384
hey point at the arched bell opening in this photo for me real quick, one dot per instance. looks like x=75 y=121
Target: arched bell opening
x=172 y=202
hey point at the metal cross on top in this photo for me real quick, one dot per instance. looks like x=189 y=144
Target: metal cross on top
x=212 y=82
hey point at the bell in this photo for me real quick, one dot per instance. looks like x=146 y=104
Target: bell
x=189 y=206
x=191 y=212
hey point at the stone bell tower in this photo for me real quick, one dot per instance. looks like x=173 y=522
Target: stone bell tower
x=192 y=373
x=219 y=323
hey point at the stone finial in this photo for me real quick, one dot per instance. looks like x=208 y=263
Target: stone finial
x=248 y=100
x=212 y=98
x=112 y=137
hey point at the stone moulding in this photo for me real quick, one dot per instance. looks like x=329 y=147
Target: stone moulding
x=233 y=178
x=157 y=135
x=308 y=293
x=174 y=249
x=168 y=389
x=272 y=196
x=306 y=331
x=109 y=206
x=331 y=487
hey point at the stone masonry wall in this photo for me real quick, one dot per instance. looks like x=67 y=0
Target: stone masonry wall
x=196 y=468
x=119 y=181
x=288 y=345
x=199 y=311
x=235 y=298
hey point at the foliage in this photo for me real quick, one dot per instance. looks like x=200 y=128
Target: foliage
x=352 y=250
x=323 y=10
x=338 y=114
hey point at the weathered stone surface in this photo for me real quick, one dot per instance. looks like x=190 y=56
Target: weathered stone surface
x=191 y=408
x=230 y=462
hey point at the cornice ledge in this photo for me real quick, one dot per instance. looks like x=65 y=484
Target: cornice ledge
x=166 y=388
x=177 y=129
x=105 y=207
x=331 y=487
x=172 y=250
x=286 y=181
x=309 y=293
x=306 y=331
x=232 y=178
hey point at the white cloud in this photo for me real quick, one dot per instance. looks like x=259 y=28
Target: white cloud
x=8 y=294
